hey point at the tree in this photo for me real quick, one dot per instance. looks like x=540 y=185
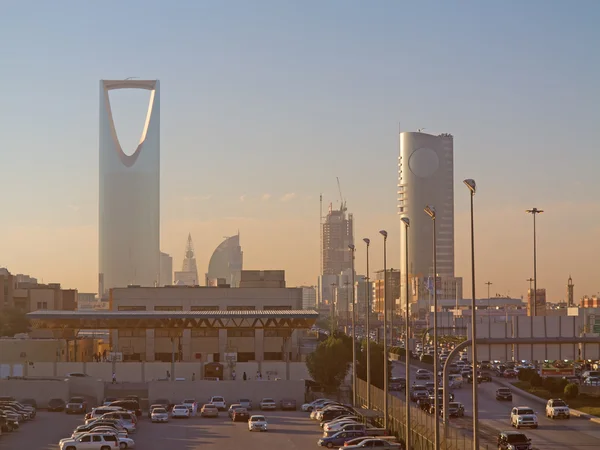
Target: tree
x=571 y=391
x=329 y=363
x=13 y=321
x=376 y=364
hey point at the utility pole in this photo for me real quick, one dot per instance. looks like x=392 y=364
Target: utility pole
x=489 y=283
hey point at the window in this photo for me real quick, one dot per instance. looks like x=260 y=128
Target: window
x=204 y=308
x=240 y=332
x=278 y=307
x=245 y=356
x=132 y=332
x=97 y=438
x=205 y=332
x=110 y=438
x=86 y=439
x=168 y=308
x=241 y=308
x=44 y=305
x=132 y=308
x=273 y=356
x=39 y=305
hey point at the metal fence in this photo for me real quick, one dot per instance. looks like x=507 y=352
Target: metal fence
x=422 y=423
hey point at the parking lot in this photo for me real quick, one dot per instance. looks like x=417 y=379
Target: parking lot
x=290 y=430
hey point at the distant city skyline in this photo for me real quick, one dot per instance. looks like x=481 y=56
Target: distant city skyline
x=259 y=116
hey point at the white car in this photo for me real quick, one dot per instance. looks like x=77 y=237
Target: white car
x=257 y=423
x=90 y=441
x=337 y=424
x=180 y=411
x=523 y=416
x=341 y=426
x=268 y=404
x=192 y=405
x=100 y=411
x=159 y=415
x=557 y=408
x=308 y=407
x=219 y=402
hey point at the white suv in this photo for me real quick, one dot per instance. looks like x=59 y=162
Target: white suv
x=523 y=416
x=557 y=407
x=90 y=441
x=219 y=402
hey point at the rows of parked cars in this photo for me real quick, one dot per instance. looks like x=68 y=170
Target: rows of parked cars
x=107 y=426
x=14 y=413
x=344 y=427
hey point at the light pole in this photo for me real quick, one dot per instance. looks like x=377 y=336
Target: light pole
x=407 y=445
x=385 y=320
x=352 y=251
x=489 y=283
x=368 y=331
x=430 y=211
x=473 y=188
x=534 y=212
x=347 y=319
x=332 y=309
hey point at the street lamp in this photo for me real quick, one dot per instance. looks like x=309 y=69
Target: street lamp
x=332 y=309
x=385 y=320
x=473 y=188
x=352 y=251
x=534 y=212
x=368 y=331
x=489 y=283
x=406 y=222
x=347 y=318
x=430 y=211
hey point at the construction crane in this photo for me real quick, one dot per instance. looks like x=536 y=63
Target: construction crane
x=342 y=201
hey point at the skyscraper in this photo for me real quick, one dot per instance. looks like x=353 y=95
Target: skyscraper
x=189 y=271
x=426 y=177
x=129 y=203
x=337 y=234
x=166 y=269
x=226 y=262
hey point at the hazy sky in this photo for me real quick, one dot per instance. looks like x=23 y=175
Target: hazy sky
x=264 y=103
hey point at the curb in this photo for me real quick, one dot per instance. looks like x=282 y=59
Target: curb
x=541 y=401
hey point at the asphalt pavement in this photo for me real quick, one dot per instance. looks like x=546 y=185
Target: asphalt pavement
x=494 y=416
x=290 y=430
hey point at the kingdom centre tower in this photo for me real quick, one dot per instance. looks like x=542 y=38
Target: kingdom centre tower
x=129 y=214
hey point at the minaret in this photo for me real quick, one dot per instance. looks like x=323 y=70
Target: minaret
x=570 y=297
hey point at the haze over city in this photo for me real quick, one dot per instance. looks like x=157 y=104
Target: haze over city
x=263 y=106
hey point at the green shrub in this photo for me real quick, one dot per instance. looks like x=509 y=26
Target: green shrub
x=541 y=392
x=571 y=390
x=549 y=384
x=526 y=374
x=536 y=380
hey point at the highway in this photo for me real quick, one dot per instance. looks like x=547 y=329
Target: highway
x=494 y=416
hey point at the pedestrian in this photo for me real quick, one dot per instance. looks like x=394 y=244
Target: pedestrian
x=114 y=378
x=233 y=375
x=168 y=375
x=245 y=377
x=257 y=375
x=193 y=376
x=104 y=355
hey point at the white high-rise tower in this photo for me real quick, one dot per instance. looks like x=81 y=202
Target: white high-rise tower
x=426 y=177
x=129 y=207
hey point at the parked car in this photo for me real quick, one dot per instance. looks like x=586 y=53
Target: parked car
x=557 y=408
x=375 y=443
x=91 y=441
x=268 y=404
x=219 y=402
x=56 y=404
x=108 y=400
x=288 y=404
x=164 y=402
x=153 y=407
x=338 y=439
x=129 y=405
x=257 y=423
x=29 y=402
x=192 y=405
x=159 y=415
x=76 y=405
x=240 y=415
x=513 y=440
x=232 y=408
x=245 y=403
x=180 y=412
x=209 y=410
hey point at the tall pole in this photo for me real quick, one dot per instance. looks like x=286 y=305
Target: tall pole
x=534 y=212
x=368 y=331
x=472 y=187
x=392 y=308
x=407 y=401
x=332 y=309
x=489 y=283
x=347 y=320
x=352 y=250
x=430 y=211
x=385 y=339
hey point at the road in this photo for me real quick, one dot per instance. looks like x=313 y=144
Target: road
x=494 y=416
x=289 y=430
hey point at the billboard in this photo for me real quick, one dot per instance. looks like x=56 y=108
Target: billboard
x=557 y=368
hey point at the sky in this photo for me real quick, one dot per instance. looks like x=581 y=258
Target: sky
x=265 y=103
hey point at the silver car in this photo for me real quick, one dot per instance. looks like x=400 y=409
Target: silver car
x=159 y=415
x=257 y=423
x=245 y=403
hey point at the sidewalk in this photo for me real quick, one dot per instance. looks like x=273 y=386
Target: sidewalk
x=541 y=401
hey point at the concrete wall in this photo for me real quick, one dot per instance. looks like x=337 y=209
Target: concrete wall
x=202 y=391
x=42 y=391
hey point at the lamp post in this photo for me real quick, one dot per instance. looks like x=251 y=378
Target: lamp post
x=489 y=283
x=368 y=331
x=430 y=211
x=347 y=319
x=385 y=320
x=352 y=251
x=332 y=309
x=406 y=222
x=473 y=188
x=534 y=212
